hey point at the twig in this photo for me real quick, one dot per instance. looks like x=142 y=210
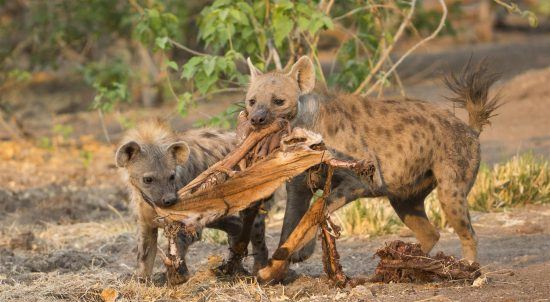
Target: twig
x=328 y=7
x=136 y=6
x=102 y=122
x=412 y=49
x=388 y=50
x=169 y=81
x=398 y=79
x=189 y=50
x=273 y=52
x=356 y=10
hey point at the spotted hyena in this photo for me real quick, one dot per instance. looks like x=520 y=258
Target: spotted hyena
x=155 y=162
x=418 y=146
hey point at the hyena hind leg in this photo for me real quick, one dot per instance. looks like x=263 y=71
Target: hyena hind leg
x=412 y=212
x=452 y=196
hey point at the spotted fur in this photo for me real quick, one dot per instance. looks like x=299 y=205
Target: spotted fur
x=418 y=146
x=153 y=150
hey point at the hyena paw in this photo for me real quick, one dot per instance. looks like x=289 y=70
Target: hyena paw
x=175 y=278
x=275 y=271
x=231 y=267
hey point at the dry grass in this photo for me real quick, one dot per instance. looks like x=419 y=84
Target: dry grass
x=373 y=217
x=522 y=180
x=203 y=286
x=214 y=236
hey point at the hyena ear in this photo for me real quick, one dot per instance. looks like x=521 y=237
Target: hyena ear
x=304 y=73
x=180 y=151
x=126 y=153
x=254 y=72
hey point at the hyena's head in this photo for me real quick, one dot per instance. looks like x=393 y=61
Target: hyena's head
x=152 y=169
x=275 y=94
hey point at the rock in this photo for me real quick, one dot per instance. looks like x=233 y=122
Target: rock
x=479 y=282
x=529 y=228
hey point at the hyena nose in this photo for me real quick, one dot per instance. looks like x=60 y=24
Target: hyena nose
x=168 y=201
x=259 y=117
x=257 y=121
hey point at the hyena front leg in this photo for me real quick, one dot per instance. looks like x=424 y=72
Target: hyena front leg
x=411 y=211
x=231 y=225
x=346 y=188
x=259 y=247
x=147 y=250
x=181 y=274
x=239 y=250
x=298 y=198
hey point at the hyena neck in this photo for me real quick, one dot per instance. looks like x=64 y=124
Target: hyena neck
x=194 y=166
x=308 y=111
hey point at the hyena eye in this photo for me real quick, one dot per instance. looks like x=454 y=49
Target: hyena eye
x=278 y=102
x=252 y=102
x=172 y=177
x=147 y=180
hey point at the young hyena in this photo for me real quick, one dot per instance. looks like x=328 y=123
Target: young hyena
x=418 y=146
x=155 y=162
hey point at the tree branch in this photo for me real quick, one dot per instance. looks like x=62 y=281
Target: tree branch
x=388 y=50
x=183 y=47
x=430 y=37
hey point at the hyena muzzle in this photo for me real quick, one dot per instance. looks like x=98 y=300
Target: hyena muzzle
x=155 y=163
x=419 y=146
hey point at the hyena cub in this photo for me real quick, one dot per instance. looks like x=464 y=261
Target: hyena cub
x=419 y=146
x=155 y=163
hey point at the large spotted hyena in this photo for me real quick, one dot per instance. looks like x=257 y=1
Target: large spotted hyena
x=418 y=146
x=155 y=162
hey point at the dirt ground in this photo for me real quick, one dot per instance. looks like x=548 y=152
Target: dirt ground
x=66 y=231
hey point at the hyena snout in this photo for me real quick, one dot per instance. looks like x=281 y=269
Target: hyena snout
x=260 y=117
x=168 y=200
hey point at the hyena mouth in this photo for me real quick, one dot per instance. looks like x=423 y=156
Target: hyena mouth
x=147 y=199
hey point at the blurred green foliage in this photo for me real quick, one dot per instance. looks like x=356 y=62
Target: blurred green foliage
x=191 y=50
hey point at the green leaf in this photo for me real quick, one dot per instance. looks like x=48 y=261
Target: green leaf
x=285 y=4
x=184 y=101
x=190 y=68
x=282 y=26
x=223 y=14
x=209 y=66
x=161 y=42
x=171 y=64
x=204 y=82
x=221 y=63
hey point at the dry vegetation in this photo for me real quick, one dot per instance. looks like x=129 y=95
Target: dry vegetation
x=520 y=181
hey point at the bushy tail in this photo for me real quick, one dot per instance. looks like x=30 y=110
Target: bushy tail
x=471 y=89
